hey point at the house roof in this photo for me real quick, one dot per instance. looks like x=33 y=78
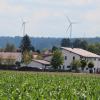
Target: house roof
x=42 y=62
x=81 y=52
x=47 y=55
x=13 y=55
x=34 y=53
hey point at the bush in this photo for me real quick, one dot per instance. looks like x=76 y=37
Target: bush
x=75 y=64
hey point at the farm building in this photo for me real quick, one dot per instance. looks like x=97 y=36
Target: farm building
x=71 y=54
x=35 y=55
x=40 y=64
x=48 y=58
x=11 y=55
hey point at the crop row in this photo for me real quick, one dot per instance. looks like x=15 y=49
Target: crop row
x=45 y=86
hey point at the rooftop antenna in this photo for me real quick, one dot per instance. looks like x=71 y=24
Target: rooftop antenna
x=70 y=28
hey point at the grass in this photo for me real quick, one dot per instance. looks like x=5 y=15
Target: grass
x=48 y=86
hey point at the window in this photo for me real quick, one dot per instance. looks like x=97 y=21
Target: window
x=99 y=59
x=63 y=66
x=73 y=57
x=68 y=66
x=94 y=58
x=86 y=68
x=65 y=57
x=81 y=57
x=85 y=58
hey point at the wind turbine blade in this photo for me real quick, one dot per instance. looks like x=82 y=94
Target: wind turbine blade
x=68 y=20
x=68 y=28
x=74 y=22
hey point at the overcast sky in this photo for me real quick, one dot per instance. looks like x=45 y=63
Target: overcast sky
x=47 y=18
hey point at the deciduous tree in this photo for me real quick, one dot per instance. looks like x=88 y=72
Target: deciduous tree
x=90 y=66
x=26 y=57
x=65 y=42
x=57 y=59
x=83 y=64
x=75 y=64
x=10 y=48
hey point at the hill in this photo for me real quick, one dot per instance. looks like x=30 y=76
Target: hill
x=39 y=43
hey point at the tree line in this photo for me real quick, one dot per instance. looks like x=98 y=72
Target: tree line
x=66 y=42
x=81 y=43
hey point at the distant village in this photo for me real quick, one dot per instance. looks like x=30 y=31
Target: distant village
x=67 y=58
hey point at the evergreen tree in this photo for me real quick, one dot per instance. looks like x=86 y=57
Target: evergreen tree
x=25 y=44
x=38 y=51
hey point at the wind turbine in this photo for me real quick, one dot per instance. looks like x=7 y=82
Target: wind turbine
x=70 y=28
x=23 y=26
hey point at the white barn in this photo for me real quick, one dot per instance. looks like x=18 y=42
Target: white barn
x=48 y=58
x=40 y=64
x=71 y=54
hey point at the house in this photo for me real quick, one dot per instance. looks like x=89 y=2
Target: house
x=16 y=56
x=34 y=55
x=47 y=57
x=71 y=54
x=40 y=64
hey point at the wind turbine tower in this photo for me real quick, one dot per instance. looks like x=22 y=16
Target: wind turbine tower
x=70 y=27
x=23 y=27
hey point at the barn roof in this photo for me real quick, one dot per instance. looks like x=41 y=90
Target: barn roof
x=81 y=52
x=13 y=55
x=42 y=62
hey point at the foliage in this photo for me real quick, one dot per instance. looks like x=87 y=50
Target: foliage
x=76 y=43
x=26 y=57
x=90 y=64
x=32 y=48
x=84 y=44
x=39 y=57
x=1 y=49
x=54 y=48
x=18 y=63
x=83 y=64
x=65 y=42
x=95 y=48
x=38 y=51
x=48 y=86
x=10 y=48
x=25 y=44
x=1 y=60
x=57 y=59
x=75 y=64
x=79 y=43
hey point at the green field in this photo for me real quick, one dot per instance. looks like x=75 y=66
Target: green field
x=48 y=86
